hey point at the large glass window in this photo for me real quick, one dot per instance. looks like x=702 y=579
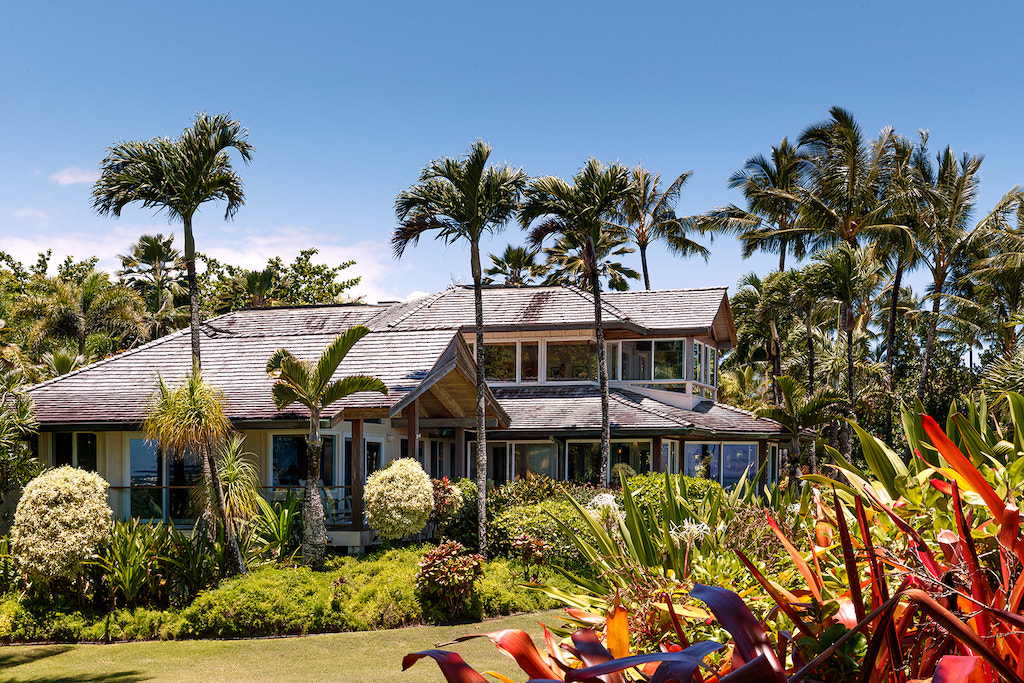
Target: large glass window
x=529 y=362
x=701 y=460
x=636 y=360
x=63 y=449
x=668 y=359
x=612 y=357
x=571 y=361
x=532 y=459
x=290 y=462
x=497 y=464
x=636 y=455
x=738 y=458
x=585 y=462
x=146 y=471
x=712 y=367
x=698 y=362
x=75 y=450
x=500 y=362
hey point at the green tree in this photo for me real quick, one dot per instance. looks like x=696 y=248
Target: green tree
x=191 y=418
x=763 y=315
x=647 y=214
x=517 y=265
x=772 y=189
x=567 y=262
x=154 y=268
x=799 y=412
x=300 y=381
x=462 y=200
x=580 y=213
x=177 y=177
x=80 y=311
x=17 y=423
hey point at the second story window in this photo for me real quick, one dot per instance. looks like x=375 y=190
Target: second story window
x=571 y=361
x=500 y=362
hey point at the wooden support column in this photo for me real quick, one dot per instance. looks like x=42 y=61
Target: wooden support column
x=412 y=414
x=460 y=453
x=357 y=474
x=656 y=460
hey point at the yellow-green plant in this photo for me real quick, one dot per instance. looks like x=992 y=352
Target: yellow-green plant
x=398 y=499
x=62 y=520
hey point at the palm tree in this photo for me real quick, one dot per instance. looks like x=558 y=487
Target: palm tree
x=153 y=268
x=772 y=189
x=300 y=381
x=580 y=213
x=518 y=265
x=849 y=193
x=761 y=308
x=854 y=276
x=568 y=265
x=177 y=177
x=647 y=213
x=799 y=413
x=78 y=311
x=191 y=418
x=463 y=199
x=250 y=289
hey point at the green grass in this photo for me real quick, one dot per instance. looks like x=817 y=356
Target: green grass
x=353 y=657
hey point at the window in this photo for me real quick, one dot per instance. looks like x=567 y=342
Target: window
x=290 y=462
x=75 y=450
x=151 y=499
x=737 y=459
x=636 y=360
x=500 y=362
x=712 y=367
x=612 y=358
x=532 y=459
x=698 y=362
x=529 y=361
x=668 y=359
x=636 y=455
x=584 y=462
x=701 y=460
x=571 y=361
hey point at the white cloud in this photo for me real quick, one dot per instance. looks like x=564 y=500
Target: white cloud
x=34 y=215
x=72 y=175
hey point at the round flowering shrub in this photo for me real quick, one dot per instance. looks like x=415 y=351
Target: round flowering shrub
x=61 y=521
x=398 y=499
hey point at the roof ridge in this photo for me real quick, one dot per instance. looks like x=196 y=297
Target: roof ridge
x=741 y=411
x=604 y=304
x=641 y=406
x=426 y=301
x=675 y=289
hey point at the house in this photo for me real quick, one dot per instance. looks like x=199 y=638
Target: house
x=543 y=402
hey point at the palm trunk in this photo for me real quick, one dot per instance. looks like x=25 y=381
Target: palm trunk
x=845 y=437
x=930 y=341
x=775 y=362
x=794 y=458
x=782 y=255
x=481 y=401
x=890 y=343
x=232 y=553
x=643 y=265
x=810 y=355
x=193 y=289
x=602 y=374
x=314 y=533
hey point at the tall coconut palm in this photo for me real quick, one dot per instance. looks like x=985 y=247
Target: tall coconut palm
x=177 y=177
x=191 y=419
x=517 y=265
x=580 y=212
x=153 y=268
x=568 y=264
x=300 y=381
x=772 y=189
x=854 y=275
x=849 y=193
x=761 y=308
x=462 y=200
x=75 y=312
x=800 y=412
x=647 y=214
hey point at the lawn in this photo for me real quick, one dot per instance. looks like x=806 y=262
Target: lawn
x=352 y=657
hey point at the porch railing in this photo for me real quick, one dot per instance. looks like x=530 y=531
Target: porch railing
x=173 y=504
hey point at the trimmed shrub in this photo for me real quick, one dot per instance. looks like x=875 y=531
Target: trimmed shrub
x=463 y=525
x=649 y=489
x=537 y=521
x=527 y=491
x=62 y=520
x=447 y=503
x=398 y=499
x=445 y=580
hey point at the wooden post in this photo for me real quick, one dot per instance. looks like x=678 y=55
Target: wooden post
x=657 y=463
x=412 y=414
x=358 y=474
x=460 y=453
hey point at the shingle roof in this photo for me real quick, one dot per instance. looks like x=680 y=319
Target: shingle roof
x=566 y=409
x=524 y=308
x=235 y=350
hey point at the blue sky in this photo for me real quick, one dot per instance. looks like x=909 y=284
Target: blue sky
x=345 y=102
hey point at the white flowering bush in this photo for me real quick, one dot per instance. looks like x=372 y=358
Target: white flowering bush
x=61 y=521
x=398 y=499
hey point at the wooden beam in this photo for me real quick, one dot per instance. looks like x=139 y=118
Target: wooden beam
x=358 y=474
x=412 y=427
x=441 y=422
x=447 y=401
x=656 y=460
